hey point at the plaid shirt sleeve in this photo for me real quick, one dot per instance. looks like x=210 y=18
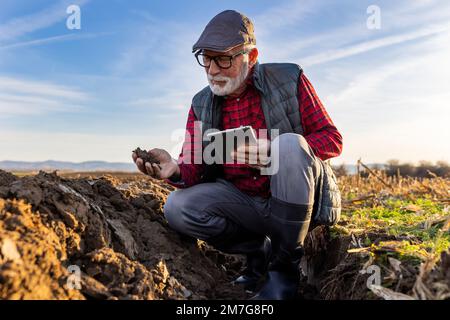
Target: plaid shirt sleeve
x=319 y=131
x=191 y=171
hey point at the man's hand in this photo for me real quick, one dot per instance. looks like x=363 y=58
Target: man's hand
x=166 y=168
x=255 y=156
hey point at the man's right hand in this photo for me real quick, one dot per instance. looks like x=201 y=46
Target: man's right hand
x=167 y=167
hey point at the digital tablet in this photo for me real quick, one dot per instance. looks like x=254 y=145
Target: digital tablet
x=242 y=132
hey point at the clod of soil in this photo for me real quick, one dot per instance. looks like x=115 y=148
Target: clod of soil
x=145 y=156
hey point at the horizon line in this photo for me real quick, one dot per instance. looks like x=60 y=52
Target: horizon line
x=131 y=162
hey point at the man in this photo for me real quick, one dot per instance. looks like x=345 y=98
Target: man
x=232 y=206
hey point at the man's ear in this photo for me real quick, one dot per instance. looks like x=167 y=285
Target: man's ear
x=253 y=56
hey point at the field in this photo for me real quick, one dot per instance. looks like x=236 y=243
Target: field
x=396 y=229
x=103 y=236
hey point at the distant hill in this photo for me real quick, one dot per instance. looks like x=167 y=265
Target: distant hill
x=66 y=166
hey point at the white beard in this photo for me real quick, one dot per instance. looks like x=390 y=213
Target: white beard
x=231 y=84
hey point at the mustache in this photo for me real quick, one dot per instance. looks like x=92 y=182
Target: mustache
x=218 y=78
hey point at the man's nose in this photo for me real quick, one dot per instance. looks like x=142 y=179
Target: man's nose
x=213 y=68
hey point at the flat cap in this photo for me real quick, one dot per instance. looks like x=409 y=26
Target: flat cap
x=225 y=31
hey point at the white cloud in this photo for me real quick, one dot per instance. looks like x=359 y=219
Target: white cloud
x=37 y=41
x=43 y=19
x=52 y=39
x=363 y=47
x=40 y=88
x=22 y=97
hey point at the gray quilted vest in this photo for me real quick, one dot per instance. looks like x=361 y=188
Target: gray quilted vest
x=278 y=86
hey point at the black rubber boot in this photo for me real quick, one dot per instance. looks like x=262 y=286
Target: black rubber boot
x=256 y=268
x=257 y=248
x=289 y=226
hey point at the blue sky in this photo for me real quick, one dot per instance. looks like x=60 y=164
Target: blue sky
x=126 y=78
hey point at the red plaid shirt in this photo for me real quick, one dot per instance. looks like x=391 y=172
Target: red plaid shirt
x=319 y=131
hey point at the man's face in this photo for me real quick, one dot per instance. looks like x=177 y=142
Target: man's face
x=225 y=81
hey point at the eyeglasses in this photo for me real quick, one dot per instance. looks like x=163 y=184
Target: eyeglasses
x=222 y=61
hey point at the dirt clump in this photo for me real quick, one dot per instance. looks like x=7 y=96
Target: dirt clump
x=145 y=156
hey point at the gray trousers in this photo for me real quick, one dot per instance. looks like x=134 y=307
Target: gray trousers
x=202 y=211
